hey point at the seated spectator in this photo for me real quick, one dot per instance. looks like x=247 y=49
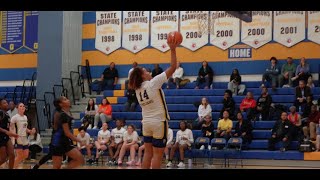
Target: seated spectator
x=13 y=110
x=243 y=129
x=132 y=101
x=318 y=138
x=309 y=130
x=205 y=75
x=109 y=78
x=310 y=83
x=102 y=141
x=130 y=142
x=264 y=104
x=272 y=73
x=184 y=139
x=248 y=105
x=170 y=142
x=302 y=91
x=134 y=65
x=207 y=130
x=35 y=145
x=302 y=71
x=116 y=141
x=235 y=85
x=104 y=113
x=156 y=71
x=90 y=112
x=203 y=110
x=295 y=118
x=85 y=143
x=307 y=109
x=228 y=104
x=224 y=127
x=287 y=72
x=281 y=131
x=176 y=76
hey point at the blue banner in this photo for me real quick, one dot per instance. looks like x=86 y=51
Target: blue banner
x=31 y=30
x=12 y=30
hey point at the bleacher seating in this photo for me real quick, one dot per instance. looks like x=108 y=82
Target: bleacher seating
x=180 y=106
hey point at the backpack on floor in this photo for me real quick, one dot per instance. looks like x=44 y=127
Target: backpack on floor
x=307 y=146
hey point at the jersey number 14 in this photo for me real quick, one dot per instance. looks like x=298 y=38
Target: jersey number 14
x=145 y=95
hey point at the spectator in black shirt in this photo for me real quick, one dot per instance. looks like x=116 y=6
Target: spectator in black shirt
x=132 y=101
x=235 y=83
x=228 y=104
x=243 y=129
x=281 y=131
x=264 y=104
x=205 y=75
x=109 y=78
x=157 y=70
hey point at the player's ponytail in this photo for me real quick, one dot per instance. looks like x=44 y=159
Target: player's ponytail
x=135 y=79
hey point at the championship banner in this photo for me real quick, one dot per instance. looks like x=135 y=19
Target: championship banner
x=189 y=29
x=289 y=27
x=258 y=32
x=108 y=31
x=314 y=26
x=12 y=30
x=162 y=22
x=226 y=29
x=31 y=30
x=135 y=35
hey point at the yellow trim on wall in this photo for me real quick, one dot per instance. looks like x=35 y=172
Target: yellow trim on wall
x=88 y=31
x=18 y=60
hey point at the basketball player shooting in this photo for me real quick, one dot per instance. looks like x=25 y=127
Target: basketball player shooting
x=151 y=98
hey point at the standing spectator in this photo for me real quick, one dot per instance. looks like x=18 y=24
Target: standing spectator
x=132 y=101
x=309 y=130
x=248 y=105
x=35 y=145
x=109 y=78
x=85 y=142
x=207 y=130
x=272 y=73
x=295 y=118
x=170 y=142
x=203 y=110
x=302 y=91
x=102 y=141
x=13 y=110
x=287 y=72
x=130 y=142
x=134 y=65
x=243 y=129
x=235 y=83
x=176 y=76
x=184 y=139
x=104 y=113
x=156 y=71
x=224 y=127
x=302 y=71
x=205 y=74
x=281 y=131
x=264 y=104
x=116 y=141
x=228 y=104
x=90 y=112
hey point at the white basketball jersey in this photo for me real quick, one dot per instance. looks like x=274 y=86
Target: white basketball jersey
x=152 y=101
x=22 y=124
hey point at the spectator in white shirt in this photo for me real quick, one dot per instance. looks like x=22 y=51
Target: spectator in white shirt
x=130 y=142
x=176 y=76
x=116 y=141
x=35 y=145
x=103 y=141
x=184 y=139
x=12 y=109
x=90 y=111
x=203 y=110
x=134 y=64
x=85 y=142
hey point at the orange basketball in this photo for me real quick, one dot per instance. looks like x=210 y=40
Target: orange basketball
x=175 y=37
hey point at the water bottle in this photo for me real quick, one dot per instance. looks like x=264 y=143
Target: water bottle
x=299 y=109
x=260 y=118
x=189 y=162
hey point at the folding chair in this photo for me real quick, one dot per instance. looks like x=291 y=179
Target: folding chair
x=218 y=146
x=234 y=150
x=198 y=143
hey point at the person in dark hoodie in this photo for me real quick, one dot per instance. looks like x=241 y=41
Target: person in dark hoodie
x=272 y=73
x=264 y=104
x=235 y=83
x=228 y=104
x=205 y=75
x=281 y=131
x=243 y=129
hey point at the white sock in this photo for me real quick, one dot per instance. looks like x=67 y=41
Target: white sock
x=167 y=157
